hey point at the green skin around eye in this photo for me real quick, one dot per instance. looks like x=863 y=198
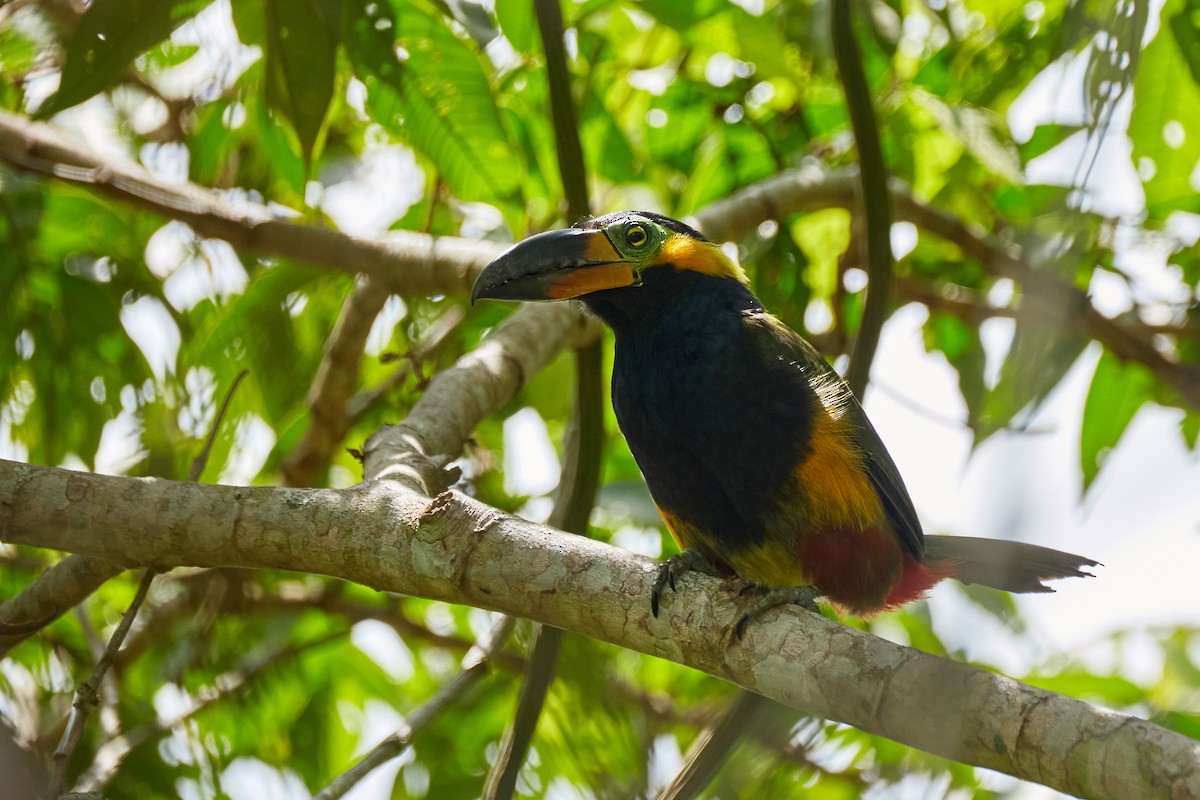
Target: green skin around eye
x=638 y=242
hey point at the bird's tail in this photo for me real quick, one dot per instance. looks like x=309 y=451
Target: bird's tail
x=1008 y=566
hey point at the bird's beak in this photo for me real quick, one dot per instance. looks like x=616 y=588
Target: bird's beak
x=554 y=266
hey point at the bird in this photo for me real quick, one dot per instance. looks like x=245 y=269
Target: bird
x=760 y=459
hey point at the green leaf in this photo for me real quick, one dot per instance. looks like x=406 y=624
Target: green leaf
x=427 y=85
x=1165 y=127
x=1044 y=139
x=18 y=53
x=256 y=332
x=604 y=144
x=302 y=42
x=823 y=236
x=688 y=119
x=961 y=345
x=978 y=130
x=1179 y=721
x=517 y=23
x=110 y=35
x=1000 y=605
x=1044 y=347
x=683 y=14
x=1107 y=688
x=1185 y=26
x=1189 y=427
x=278 y=145
x=1118 y=391
x=250 y=20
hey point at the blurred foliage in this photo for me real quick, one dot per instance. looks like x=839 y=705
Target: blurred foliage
x=122 y=331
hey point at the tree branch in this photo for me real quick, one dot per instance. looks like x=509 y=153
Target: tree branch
x=88 y=693
x=334 y=383
x=454 y=549
x=52 y=594
x=811 y=189
x=481 y=381
x=584 y=446
x=403 y=261
x=477 y=667
x=873 y=184
x=415 y=263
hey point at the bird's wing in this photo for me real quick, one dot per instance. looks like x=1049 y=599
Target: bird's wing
x=781 y=342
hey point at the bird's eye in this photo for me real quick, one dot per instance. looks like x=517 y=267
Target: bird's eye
x=636 y=236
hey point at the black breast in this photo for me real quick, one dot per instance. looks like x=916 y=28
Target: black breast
x=716 y=425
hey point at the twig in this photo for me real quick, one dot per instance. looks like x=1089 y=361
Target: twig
x=201 y=460
x=714 y=745
x=112 y=753
x=334 y=383
x=110 y=724
x=87 y=695
x=426 y=714
x=425 y=348
x=952 y=299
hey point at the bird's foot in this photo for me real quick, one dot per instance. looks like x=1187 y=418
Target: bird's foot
x=766 y=597
x=676 y=565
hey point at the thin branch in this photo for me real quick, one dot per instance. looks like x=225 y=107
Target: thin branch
x=54 y=592
x=873 y=181
x=811 y=189
x=87 y=695
x=426 y=348
x=501 y=781
x=715 y=746
x=584 y=449
x=562 y=109
x=201 y=460
x=402 y=261
x=425 y=715
x=420 y=264
x=334 y=383
x=111 y=754
x=956 y=300
x=110 y=724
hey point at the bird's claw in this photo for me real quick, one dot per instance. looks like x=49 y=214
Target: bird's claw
x=771 y=596
x=673 y=567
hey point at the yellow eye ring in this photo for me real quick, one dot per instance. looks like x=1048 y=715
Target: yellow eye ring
x=636 y=236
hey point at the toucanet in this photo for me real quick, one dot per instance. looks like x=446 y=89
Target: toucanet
x=759 y=458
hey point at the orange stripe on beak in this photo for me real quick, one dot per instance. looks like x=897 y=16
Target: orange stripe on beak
x=586 y=280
